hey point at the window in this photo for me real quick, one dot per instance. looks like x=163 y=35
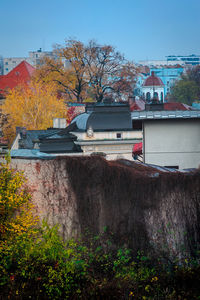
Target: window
x=148 y=96
x=155 y=95
x=119 y=135
x=161 y=96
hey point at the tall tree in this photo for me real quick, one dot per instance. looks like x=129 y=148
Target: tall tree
x=67 y=71
x=108 y=71
x=33 y=106
x=84 y=71
x=187 y=89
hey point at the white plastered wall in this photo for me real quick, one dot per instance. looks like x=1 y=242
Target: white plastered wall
x=172 y=143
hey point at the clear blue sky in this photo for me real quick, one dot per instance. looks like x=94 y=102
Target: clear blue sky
x=140 y=29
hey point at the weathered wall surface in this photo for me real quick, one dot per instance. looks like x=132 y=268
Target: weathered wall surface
x=143 y=207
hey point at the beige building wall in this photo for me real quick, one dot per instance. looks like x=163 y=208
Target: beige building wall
x=109 y=144
x=109 y=135
x=172 y=143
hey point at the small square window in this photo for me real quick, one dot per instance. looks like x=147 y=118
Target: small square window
x=119 y=135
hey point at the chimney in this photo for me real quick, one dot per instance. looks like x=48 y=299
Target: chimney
x=154 y=105
x=59 y=123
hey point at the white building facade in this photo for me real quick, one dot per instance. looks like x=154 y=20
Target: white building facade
x=153 y=89
x=170 y=138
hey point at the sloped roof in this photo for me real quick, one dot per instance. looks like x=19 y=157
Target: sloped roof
x=139 y=105
x=27 y=141
x=176 y=106
x=153 y=81
x=20 y=74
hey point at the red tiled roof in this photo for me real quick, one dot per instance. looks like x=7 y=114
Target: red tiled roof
x=176 y=106
x=20 y=74
x=153 y=81
x=138 y=104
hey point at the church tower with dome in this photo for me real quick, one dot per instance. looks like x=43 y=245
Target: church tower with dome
x=153 y=89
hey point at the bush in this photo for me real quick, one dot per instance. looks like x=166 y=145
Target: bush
x=16 y=215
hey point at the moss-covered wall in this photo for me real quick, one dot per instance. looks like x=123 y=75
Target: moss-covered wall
x=143 y=207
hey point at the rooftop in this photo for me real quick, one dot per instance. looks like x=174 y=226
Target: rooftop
x=165 y=114
x=153 y=81
x=104 y=116
x=20 y=74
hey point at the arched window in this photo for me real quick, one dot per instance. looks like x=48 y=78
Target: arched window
x=161 y=96
x=155 y=95
x=148 y=96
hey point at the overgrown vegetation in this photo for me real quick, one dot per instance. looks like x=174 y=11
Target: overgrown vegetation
x=44 y=267
x=35 y=263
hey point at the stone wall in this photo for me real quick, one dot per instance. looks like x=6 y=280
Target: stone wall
x=144 y=208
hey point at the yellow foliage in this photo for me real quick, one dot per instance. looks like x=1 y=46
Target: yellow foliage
x=33 y=106
x=16 y=210
x=52 y=71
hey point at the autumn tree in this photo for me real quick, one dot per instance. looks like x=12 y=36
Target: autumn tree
x=108 y=72
x=67 y=71
x=124 y=83
x=32 y=106
x=89 y=71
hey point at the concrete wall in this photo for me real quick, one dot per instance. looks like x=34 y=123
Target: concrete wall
x=172 y=143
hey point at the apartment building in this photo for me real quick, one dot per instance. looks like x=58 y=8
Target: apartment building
x=34 y=59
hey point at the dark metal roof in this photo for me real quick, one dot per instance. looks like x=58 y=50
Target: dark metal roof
x=60 y=141
x=56 y=146
x=115 y=116
x=27 y=139
x=49 y=141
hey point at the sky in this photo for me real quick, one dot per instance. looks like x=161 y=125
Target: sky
x=139 y=29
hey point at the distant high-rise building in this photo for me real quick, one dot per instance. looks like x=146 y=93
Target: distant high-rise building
x=34 y=59
x=192 y=59
x=172 y=60
x=1 y=65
